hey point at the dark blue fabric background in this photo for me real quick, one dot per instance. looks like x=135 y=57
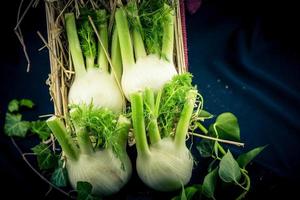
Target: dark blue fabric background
x=245 y=59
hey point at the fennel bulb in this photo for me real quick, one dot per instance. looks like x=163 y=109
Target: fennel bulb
x=166 y=168
x=96 y=87
x=93 y=82
x=166 y=164
x=103 y=163
x=149 y=71
x=142 y=70
x=102 y=170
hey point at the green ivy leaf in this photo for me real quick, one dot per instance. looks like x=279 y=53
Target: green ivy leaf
x=60 y=176
x=13 y=105
x=46 y=159
x=14 y=126
x=209 y=183
x=26 y=103
x=176 y=198
x=183 y=195
x=41 y=129
x=244 y=159
x=84 y=191
x=227 y=127
x=188 y=193
x=203 y=115
x=212 y=165
x=205 y=148
x=211 y=131
x=191 y=191
x=229 y=170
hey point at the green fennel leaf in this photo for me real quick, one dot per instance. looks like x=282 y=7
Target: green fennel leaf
x=133 y=17
x=153 y=19
x=209 y=183
x=244 y=159
x=41 y=129
x=229 y=170
x=84 y=191
x=87 y=39
x=14 y=126
x=45 y=158
x=26 y=103
x=100 y=17
x=100 y=122
x=172 y=101
x=13 y=105
x=60 y=176
x=227 y=127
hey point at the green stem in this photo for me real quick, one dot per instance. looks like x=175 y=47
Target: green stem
x=248 y=185
x=157 y=102
x=123 y=127
x=153 y=127
x=90 y=62
x=124 y=38
x=74 y=44
x=202 y=128
x=83 y=138
x=248 y=181
x=139 y=124
x=168 y=35
x=102 y=59
x=218 y=139
x=116 y=58
x=67 y=144
x=84 y=141
x=138 y=43
x=221 y=149
x=184 y=120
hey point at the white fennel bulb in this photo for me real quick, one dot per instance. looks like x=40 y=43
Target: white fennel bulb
x=149 y=71
x=142 y=70
x=102 y=169
x=96 y=87
x=166 y=168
